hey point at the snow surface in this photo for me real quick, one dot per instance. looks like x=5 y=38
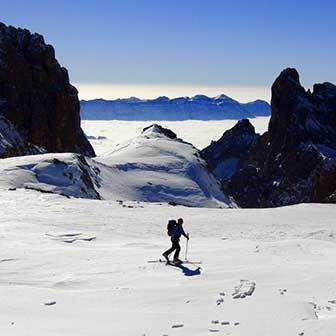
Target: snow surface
x=199 y=133
x=79 y=267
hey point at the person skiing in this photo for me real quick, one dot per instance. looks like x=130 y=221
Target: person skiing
x=175 y=232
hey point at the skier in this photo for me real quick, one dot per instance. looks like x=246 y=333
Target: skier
x=175 y=232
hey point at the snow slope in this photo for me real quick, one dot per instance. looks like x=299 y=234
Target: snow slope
x=155 y=168
x=79 y=267
x=66 y=174
x=199 y=107
x=151 y=167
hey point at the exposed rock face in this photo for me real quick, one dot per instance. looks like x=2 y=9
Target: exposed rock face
x=295 y=161
x=12 y=143
x=225 y=154
x=36 y=96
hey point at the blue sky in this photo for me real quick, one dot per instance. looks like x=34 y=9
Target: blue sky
x=176 y=45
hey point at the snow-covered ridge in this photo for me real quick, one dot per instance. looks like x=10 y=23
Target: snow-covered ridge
x=199 y=107
x=155 y=166
x=66 y=174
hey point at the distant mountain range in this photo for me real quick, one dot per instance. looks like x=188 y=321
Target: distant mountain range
x=199 y=107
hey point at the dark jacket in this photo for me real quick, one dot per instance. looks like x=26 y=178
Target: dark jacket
x=177 y=232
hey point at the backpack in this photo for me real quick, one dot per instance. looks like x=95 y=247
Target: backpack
x=170 y=226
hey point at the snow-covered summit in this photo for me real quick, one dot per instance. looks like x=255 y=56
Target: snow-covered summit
x=198 y=107
x=156 y=166
x=157 y=130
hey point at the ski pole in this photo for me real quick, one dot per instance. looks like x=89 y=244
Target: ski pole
x=186 y=253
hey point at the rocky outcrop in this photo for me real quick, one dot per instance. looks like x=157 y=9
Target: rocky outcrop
x=36 y=96
x=295 y=161
x=12 y=143
x=158 y=128
x=225 y=154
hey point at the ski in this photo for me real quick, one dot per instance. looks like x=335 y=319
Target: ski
x=172 y=263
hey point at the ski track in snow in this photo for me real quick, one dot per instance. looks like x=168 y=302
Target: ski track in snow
x=280 y=263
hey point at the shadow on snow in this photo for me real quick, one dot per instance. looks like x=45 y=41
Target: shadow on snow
x=187 y=271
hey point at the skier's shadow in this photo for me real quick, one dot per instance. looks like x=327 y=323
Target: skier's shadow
x=187 y=271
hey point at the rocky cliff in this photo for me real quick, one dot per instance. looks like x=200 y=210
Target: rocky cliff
x=225 y=154
x=36 y=97
x=295 y=161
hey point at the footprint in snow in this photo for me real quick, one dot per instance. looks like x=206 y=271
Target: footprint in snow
x=323 y=311
x=245 y=288
x=178 y=326
x=221 y=299
x=50 y=303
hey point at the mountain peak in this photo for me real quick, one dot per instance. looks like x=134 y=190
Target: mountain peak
x=155 y=128
x=221 y=97
x=200 y=97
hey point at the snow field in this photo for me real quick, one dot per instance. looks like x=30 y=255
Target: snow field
x=52 y=283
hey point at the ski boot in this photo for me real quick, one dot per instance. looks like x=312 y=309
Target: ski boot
x=177 y=261
x=166 y=257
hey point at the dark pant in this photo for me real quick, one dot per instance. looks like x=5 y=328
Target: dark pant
x=175 y=247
